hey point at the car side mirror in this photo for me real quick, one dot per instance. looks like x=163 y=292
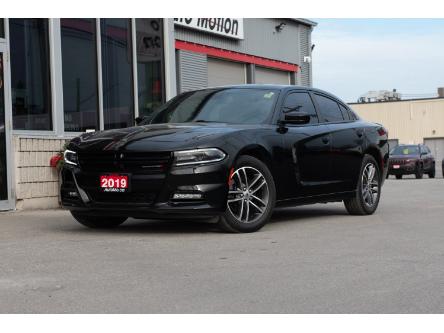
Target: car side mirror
x=139 y=120
x=296 y=118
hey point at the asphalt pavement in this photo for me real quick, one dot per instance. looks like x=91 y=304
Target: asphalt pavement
x=309 y=259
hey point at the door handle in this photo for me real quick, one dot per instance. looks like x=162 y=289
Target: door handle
x=325 y=140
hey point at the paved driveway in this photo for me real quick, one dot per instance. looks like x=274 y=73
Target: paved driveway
x=309 y=259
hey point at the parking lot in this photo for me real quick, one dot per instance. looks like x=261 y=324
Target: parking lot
x=310 y=259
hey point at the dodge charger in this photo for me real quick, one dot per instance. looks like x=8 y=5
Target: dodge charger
x=230 y=153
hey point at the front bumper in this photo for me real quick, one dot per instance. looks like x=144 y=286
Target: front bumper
x=404 y=169
x=150 y=195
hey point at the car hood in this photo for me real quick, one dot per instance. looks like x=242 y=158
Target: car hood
x=161 y=137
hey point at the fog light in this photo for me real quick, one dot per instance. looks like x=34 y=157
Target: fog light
x=73 y=194
x=187 y=196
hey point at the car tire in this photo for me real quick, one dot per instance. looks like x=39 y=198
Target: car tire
x=251 y=196
x=98 y=222
x=432 y=172
x=419 y=172
x=398 y=176
x=369 y=183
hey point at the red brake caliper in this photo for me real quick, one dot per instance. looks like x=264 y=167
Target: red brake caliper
x=230 y=178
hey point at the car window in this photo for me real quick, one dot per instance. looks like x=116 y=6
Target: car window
x=345 y=113
x=226 y=105
x=352 y=115
x=301 y=102
x=405 y=150
x=329 y=109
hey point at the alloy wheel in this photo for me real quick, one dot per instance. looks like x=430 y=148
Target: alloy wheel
x=248 y=194
x=370 y=184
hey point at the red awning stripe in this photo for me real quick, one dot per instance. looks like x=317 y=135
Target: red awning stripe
x=236 y=56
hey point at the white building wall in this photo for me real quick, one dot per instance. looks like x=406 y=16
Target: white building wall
x=36 y=183
x=408 y=121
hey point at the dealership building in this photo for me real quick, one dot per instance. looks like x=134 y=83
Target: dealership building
x=62 y=77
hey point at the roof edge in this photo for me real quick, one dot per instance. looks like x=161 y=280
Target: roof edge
x=400 y=101
x=305 y=21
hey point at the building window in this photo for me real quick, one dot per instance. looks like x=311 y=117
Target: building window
x=2 y=28
x=3 y=159
x=150 y=74
x=30 y=76
x=118 y=99
x=79 y=64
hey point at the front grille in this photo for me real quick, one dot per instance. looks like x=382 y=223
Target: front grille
x=122 y=198
x=146 y=163
x=397 y=161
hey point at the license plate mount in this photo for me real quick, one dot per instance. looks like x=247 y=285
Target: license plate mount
x=115 y=183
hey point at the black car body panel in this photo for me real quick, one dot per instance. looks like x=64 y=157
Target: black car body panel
x=315 y=162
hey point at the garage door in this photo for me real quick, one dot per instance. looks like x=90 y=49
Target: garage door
x=271 y=76
x=437 y=148
x=393 y=143
x=222 y=72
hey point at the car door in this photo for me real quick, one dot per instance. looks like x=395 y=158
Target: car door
x=427 y=158
x=347 y=140
x=431 y=159
x=307 y=149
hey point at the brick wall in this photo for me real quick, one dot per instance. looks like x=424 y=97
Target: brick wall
x=36 y=183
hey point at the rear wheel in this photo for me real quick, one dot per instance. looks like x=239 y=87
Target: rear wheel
x=432 y=172
x=398 y=176
x=419 y=171
x=251 y=196
x=98 y=222
x=368 y=190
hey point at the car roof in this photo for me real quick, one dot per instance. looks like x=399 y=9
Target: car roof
x=271 y=86
x=281 y=87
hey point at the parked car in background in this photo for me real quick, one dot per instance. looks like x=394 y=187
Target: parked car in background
x=231 y=152
x=411 y=160
x=442 y=163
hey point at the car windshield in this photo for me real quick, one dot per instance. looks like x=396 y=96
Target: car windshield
x=225 y=105
x=405 y=150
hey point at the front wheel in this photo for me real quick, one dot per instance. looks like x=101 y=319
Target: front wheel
x=98 y=222
x=368 y=190
x=251 y=196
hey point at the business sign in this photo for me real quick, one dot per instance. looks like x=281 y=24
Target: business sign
x=149 y=40
x=227 y=27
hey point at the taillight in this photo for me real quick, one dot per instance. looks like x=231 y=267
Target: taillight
x=382 y=131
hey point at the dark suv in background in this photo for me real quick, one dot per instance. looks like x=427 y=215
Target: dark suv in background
x=411 y=159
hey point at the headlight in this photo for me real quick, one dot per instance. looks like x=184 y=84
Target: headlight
x=70 y=157
x=198 y=156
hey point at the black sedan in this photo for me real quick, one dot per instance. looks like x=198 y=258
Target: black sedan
x=233 y=153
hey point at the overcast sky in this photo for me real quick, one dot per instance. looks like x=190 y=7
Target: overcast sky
x=353 y=56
